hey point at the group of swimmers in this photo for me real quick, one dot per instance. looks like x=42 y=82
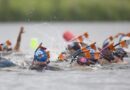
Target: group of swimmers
x=78 y=50
x=86 y=54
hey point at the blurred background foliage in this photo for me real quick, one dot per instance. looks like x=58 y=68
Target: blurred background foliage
x=64 y=10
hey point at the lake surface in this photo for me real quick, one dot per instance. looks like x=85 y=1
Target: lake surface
x=110 y=77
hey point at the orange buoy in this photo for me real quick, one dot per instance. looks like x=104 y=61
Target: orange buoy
x=68 y=36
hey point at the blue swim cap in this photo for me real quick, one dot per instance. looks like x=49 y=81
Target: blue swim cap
x=40 y=55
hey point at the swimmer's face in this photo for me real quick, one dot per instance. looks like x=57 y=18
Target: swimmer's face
x=111 y=38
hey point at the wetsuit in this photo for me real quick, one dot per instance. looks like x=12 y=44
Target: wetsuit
x=107 y=53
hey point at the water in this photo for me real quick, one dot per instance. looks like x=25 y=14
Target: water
x=115 y=77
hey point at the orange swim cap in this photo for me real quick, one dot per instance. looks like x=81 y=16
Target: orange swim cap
x=8 y=42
